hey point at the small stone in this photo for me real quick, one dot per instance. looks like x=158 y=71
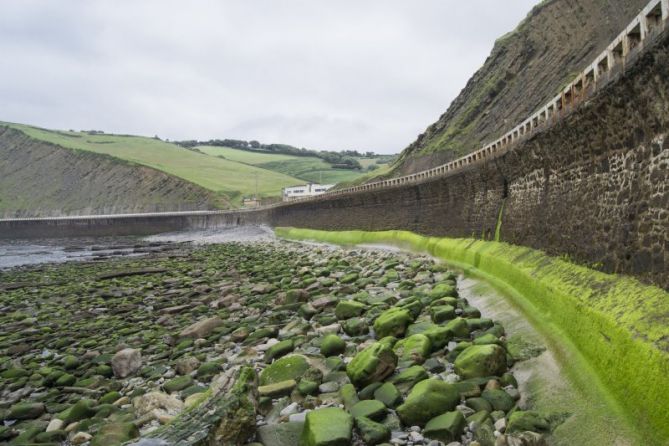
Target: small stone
x=151 y=401
x=275 y=390
x=187 y=365
x=447 y=427
x=372 y=409
x=201 y=329
x=80 y=438
x=392 y=322
x=55 y=424
x=332 y=345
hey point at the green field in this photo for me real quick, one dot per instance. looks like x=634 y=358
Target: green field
x=231 y=178
x=306 y=168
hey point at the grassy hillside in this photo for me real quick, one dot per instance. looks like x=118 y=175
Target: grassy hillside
x=223 y=176
x=526 y=68
x=39 y=179
x=306 y=168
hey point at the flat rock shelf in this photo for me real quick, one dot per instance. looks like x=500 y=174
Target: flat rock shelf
x=266 y=343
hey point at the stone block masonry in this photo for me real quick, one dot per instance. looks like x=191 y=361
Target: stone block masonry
x=594 y=187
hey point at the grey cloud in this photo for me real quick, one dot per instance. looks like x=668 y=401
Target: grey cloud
x=347 y=74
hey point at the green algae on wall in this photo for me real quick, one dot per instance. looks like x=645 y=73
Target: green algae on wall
x=614 y=330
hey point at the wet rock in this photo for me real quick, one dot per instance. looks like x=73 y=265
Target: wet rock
x=153 y=401
x=282 y=434
x=201 y=329
x=347 y=309
x=332 y=345
x=447 y=427
x=26 y=411
x=187 y=365
x=392 y=322
x=286 y=368
x=178 y=383
x=481 y=360
x=373 y=364
x=427 y=400
x=388 y=395
x=327 y=427
x=126 y=362
x=115 y=433
x=372 y=409
x=498 y=399
x=275 y=390
x=413 y=350
x=527 y=421
x=279 y=349
x=372 y=433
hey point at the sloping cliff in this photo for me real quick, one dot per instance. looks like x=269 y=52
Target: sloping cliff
x=42 y=179
x=525 y=69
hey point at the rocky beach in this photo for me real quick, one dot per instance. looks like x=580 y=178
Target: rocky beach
x=268 y=343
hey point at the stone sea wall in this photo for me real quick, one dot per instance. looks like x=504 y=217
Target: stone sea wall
x=592 y=188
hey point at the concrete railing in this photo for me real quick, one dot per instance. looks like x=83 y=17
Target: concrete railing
x=625 y=48
x=608 y=66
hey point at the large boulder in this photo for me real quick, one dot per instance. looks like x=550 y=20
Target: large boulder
x=426 y=400
x=392 y=322
x=327 y=427
x=201 y=329
x=480 y=361
x=126 y=362
x=373 y=364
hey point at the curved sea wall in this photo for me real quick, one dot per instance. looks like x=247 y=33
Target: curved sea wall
x=592 y=187
x=612 y=332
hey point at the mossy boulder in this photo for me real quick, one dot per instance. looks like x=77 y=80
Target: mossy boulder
x=372 y=409
x=481 y=360
x=498 y=399
x=373 y=364
x=283 y=369
x=332 y=345
x=279 y=349
x=178 y=383
x=442 y=313
x=428 y=399
x=347 y=309
x=447 y=427
x=114 y=434
x=327 y=427
x=444 y=289
x=388 y=395
x=372 y=433
x=414 y=349
x=81 y=410
x=356 y=326
x=26 y=411
x=392 y=322
x=275 y=390
x=521 y=421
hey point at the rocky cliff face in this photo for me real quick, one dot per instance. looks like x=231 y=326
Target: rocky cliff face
x=42 y=179
x=525 y=69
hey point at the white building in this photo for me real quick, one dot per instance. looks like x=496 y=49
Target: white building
x=305 y=190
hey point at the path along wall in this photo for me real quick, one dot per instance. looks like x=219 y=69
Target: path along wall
x=594 y=187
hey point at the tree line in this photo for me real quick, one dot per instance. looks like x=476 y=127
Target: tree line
x=345 y=159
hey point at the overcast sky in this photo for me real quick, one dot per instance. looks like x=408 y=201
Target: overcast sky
x=341 y=74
